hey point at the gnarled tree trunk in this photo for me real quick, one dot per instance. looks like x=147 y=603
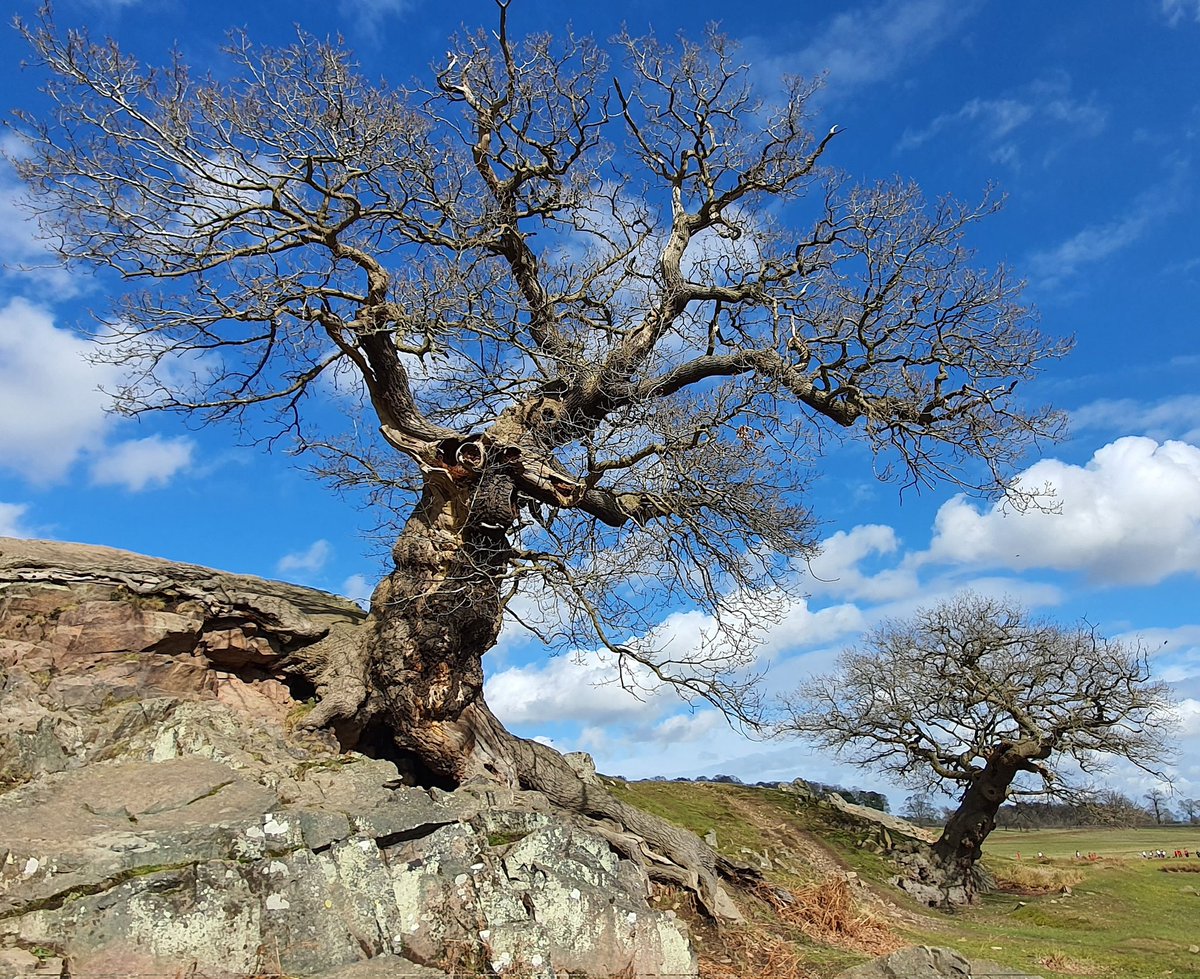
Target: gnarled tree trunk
x=436 y=615
x=432 y=620
x=959 y=848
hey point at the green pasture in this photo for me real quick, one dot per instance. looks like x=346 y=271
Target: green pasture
x=1058 y=844
x=1119 y=916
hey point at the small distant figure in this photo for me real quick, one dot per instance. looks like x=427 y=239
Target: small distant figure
x=1018 y=854
x=1078 y=855
x=1041 y=855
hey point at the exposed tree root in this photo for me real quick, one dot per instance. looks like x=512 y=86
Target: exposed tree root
x=475 y=743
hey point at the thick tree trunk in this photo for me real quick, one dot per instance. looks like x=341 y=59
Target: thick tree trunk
x=432 y=619
x=960 y=846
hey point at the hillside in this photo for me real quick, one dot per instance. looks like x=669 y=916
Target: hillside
x=1116 y=915
x=165 y=812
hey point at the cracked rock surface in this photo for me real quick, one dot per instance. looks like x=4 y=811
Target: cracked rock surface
x=161 y=810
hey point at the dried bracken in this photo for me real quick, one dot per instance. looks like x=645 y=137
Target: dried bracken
x=828 y=913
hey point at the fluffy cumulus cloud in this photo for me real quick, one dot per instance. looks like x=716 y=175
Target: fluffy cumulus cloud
x=570 y=688
x=51 y=408
x=12 y=516
x=307 y=562
x=836 y=570
x=138 y=464
x=53 y=412
x=1130 y=516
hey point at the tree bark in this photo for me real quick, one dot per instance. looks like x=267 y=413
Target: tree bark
x=960 y=846
x=435 y=616
x=432 y=619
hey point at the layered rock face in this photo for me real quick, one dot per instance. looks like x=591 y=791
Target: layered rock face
x=160 y=811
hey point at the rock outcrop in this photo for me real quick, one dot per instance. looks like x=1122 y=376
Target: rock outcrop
x=161 y=810
x=926 y=962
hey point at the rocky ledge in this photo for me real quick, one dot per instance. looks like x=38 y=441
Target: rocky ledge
x=161 y=813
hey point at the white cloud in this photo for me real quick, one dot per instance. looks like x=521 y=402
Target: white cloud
x=1189 y=718
x=1046 y=105
x=1177 y=417
x=1130 y=516
x=1176 y=11
x=1091 y=245
x=140 y=463
x=1094 y=244
x=51 y=410
x=369 y=15
x=995 y=117
x=1184 y=774
x=567 y=688
x=27 y=261
x=871 y=44
x=308 y=561
x=835 y=570
x=690 y=743
x=358 y=589
x=687 y=728
x=11 y=515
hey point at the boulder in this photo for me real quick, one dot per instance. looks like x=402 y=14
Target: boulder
x=161 y=811
x=927 y=962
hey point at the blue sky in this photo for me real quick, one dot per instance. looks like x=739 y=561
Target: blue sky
x=1087 y=116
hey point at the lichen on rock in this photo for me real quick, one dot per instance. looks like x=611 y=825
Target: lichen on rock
x=161 y=809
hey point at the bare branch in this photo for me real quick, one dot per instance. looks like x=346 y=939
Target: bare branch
x=535 y=275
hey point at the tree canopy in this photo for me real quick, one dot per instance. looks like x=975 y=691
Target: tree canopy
x=651 y=298
x=975 y=696
x=586 y=315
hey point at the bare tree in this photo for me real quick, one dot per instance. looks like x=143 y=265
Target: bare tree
x=977 y=696
x=1156 y=802
x=588 y=336
x=919 y=809
x=1190 y=809
x=1109 y=807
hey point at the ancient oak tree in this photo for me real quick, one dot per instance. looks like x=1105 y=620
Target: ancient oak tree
x=588 y=324
x=977 y=698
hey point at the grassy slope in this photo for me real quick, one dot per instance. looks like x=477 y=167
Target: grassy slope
x=1124 y=917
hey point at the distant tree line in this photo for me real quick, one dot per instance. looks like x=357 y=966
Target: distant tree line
x=1106 y=807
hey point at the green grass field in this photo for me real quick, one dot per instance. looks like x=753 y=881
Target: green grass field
x=1124 y=916
x=1120 y=916
x=1059 y=844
